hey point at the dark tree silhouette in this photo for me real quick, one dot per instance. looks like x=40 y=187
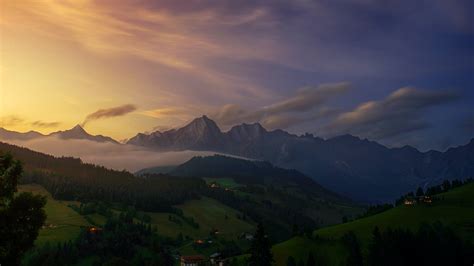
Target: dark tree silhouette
x=376 y=254
x=404 y=247
x=446 y=185
x=355 y=254
x=419 y=192
x=290 y=261
x=261 y=254
x=21 y=216
x=311 y=261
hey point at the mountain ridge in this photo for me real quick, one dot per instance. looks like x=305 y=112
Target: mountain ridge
x=361 y=169
x=77 y=132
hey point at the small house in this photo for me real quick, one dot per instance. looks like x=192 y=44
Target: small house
x=217 y=259
x=427 y=199
x=247 y=236
x=94 y=230
x=409 y=201
x=195 y=260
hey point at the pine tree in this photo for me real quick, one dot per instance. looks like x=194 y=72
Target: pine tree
x=376 y=255
x=311 y=261
x=355 y=253
x=419 y=192
x=260 y=251
x=290 y=261
x=446 y=185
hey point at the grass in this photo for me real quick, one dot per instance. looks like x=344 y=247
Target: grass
x=325 y=252
x=171 y=229
x=223 y=182
x=454 y=208
x=97 y=219
x=62 y=223
x=209 y=214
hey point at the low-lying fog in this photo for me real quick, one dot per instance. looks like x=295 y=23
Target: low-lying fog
x=110 y=155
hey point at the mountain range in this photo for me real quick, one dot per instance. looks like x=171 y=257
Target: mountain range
x=361 y=169
x=76 y=132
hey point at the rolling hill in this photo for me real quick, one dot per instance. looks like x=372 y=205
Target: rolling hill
x=454 y=208
x=281 y=198
x=250 y=172
x=62 y=223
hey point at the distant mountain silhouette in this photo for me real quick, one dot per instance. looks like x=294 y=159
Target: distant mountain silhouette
x=361 y=169
x=76 y=132
x=13 y=135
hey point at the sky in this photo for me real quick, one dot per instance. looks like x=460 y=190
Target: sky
x=398 y=72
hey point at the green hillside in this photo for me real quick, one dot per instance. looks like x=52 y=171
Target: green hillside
x=325 y=252
x=454 y=208
x=62 y=223
x=209 y=214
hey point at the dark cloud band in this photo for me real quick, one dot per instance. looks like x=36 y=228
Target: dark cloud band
x=110 y=112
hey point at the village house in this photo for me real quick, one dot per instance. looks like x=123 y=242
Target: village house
x=94 y=230
x=215 y=231
x=421 y=199
x=427 y=199
x=246 y=236
x=195 y=260
x=217 y=259
x=409 y=201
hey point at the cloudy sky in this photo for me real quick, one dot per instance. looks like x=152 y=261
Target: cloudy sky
x=399 y=72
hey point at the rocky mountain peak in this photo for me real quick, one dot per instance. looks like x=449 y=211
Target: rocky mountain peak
x=202 y=125
x=247 y=131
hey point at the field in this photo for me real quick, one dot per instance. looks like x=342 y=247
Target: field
x=454 y=208
x=62 y=223
x=209 y=214
x=325 y=252
x=223 y=182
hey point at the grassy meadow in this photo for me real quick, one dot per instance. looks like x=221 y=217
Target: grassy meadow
x=454 y=208
x=62 y=223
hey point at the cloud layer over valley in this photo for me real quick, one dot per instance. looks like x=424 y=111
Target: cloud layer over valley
x=110 y=155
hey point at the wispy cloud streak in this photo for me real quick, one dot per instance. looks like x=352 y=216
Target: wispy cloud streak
x=109 y=112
